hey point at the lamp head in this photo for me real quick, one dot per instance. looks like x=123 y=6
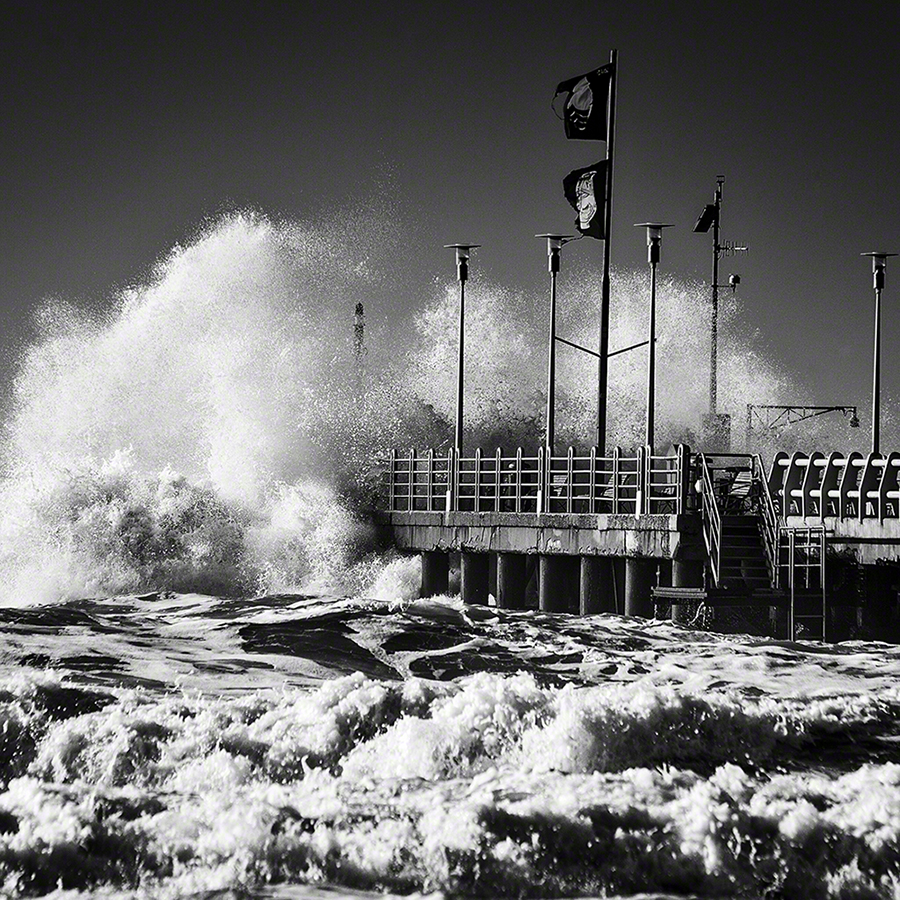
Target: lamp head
x=462 y=250
x=554 y=245
x=734 y=281
x=555 y=241
x=879 y=264
x=854 y=421
x=879 y=258
x=462 y=258
x=654 y=238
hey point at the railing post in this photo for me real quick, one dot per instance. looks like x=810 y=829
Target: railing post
x=392 y=494
x=412 y=479
x=430 y=467
x=684 y=478
x=617 y=452
x=791 y=577
x=542 y=480
x=822 y=583
x=498 y=456
x=592 y=504
x=570 y=478
x=640 y=501
x=478 y=480
x=452 y=487
x=518 y=479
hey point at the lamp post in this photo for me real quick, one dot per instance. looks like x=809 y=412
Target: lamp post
x=554 y=245
x=879 y=263
x=654 y=241
x=462 y=274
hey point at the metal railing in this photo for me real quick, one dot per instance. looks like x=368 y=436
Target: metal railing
x=802 y=556
x=574 y=483
x=769 y=522
x=712 y=519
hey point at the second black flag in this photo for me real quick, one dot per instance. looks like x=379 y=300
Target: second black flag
x=585 y=189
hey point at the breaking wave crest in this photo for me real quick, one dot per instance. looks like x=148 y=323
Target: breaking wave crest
x=489 y=786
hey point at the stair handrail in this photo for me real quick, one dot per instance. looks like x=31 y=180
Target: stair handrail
x=771 y=522
x=712 y=520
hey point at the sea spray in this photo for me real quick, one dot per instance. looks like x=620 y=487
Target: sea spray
x=215 y=431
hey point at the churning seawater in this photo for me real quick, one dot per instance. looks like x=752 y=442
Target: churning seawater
x=202 y=459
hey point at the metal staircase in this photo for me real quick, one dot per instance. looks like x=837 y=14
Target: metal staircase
x=743 y=562
x=753 y=556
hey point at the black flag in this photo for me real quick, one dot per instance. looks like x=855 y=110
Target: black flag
x=586 y=190
x=584 y=110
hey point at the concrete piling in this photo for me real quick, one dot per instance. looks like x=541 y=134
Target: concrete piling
x=435 y=573
x=640 y=577
x=511 y=580
x=597 y=592
x=474 y=577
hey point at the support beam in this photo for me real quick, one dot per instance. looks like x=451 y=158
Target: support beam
x=598 y=589
x=435 y=573
x=511 y=580
x=640 y=577
x=474 y=570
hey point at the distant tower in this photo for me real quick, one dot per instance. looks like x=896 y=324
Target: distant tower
x=359 y=333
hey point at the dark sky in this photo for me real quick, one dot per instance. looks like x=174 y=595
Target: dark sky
x=127 y=124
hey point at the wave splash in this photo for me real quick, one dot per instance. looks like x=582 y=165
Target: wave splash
x=215 y=430
x=491 y=785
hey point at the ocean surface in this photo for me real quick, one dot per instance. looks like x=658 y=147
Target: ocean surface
x=181 y=745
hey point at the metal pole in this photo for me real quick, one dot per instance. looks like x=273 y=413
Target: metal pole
x=879 y=263
x=462 y=274
x=876 y=368
x=551 y=361
x=554 y=245
x=603 y=366
x=654 y=241
x=651 y=363
x=714 y=332
x=458 y=440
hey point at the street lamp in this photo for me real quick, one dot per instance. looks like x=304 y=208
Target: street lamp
x=879 y=263
x=462 y=274
x=654 y=240
x=554 y=245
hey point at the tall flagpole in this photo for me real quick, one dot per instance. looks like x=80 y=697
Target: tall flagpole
x=603 y=373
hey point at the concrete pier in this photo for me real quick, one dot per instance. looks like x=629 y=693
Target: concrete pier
x=640 y=578
x=435 y=573
x=474 y=577
x=511 y=580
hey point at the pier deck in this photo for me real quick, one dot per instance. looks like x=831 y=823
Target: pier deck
x=680 y=531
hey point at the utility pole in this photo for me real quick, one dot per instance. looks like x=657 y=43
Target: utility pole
x=717 y=427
